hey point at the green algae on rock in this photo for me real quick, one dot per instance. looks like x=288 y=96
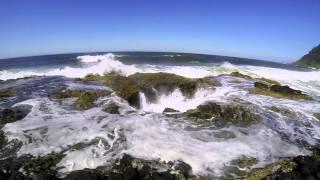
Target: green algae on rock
x=269 y=81
x=224 y=115
x=298 y=168
x=8 y=92
x=86 y=100
x=240 y=75
x=129 y=87
x=278 y=91
x=165 y=82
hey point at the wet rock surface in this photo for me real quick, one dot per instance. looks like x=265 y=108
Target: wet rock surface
x=129 y=168
x=224 y=115
x=278 y=91
x=151 y=84
x=297 y=168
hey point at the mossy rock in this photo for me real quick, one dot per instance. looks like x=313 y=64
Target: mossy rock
x=86 y=100
x=165 y=82
x=244 y=162
x=129 y=87
x=269 y=81
x=286 y=165
x=124 y=87
x=92 y=77
x=278 y=91
x=317 y=115
x=283 y=111
x=205 y=111
x=224 y=115
x=240 y=75
x=207 y=81
x=297 y=168
x=239 y=115
x=8 y=92
x=62 y=93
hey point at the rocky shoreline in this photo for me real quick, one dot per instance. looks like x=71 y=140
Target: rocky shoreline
x=152 y=85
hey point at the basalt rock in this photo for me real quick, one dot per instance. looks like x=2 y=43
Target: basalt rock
x=85 y=98
x=169 y=110
x=224 y=115
x=151 y=84
x=29 y=167
x=278 y=91
x=10 y=115
x=124 y=87
x=205 y=111
x=112 y=108
x=297 y=168
x=128 y=168
x=164 y=83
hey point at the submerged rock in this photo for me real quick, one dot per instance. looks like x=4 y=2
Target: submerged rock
x=224 y=135
x=62 y=92
x=112 y=108
x=284 y=111
x=8 y=92
x=278 y=91
x=317 y=115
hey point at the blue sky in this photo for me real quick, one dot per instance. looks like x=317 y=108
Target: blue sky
x=271 y=29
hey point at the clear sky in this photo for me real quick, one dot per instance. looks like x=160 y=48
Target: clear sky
x=279 y=30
